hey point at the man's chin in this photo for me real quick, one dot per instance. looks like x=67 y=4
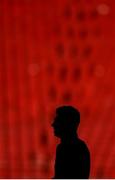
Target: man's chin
x=56 y=134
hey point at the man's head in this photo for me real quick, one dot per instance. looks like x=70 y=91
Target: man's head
x=66 y=121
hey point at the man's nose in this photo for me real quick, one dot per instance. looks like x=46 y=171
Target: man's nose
x=54 y=124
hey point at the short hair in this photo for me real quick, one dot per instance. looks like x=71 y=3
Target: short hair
x=70 y=114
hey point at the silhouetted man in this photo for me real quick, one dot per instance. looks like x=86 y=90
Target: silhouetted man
x=72 y=154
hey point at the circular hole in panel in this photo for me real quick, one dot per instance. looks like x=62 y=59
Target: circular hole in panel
x=32 y=159
x=67 y=12
x=76 y=74
x=87 y=51
x=94 y=14
x=63 y=73
x=80 y=16
x=83 y=33
x=67 y=96
x=52 y=93
x=44 y=138
x=60 y=50
x=73 y=51
x=70 y=32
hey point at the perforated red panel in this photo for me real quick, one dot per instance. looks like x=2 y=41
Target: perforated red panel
x=53 y=53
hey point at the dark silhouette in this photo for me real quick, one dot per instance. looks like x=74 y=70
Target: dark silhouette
x=72 y=154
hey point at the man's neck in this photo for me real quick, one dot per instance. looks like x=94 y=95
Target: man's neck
x=69 y=139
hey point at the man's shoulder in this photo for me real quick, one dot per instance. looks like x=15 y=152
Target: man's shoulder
x=77 y=144
x=83 y=145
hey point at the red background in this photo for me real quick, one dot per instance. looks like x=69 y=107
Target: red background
x=55 y=52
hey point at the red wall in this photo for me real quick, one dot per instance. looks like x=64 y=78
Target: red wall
x=55 y=52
